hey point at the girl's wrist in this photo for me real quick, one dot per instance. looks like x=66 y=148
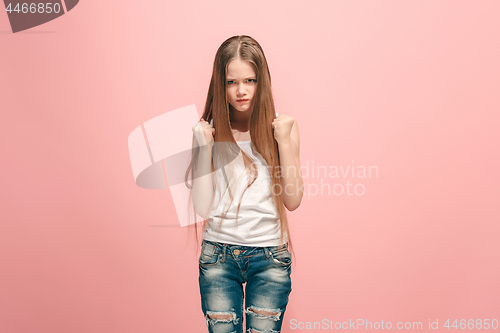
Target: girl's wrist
x=284 y=143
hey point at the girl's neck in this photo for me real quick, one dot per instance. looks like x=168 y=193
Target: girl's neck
x=240 y=120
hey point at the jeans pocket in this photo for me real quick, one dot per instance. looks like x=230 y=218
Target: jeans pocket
x=281 y=256
x=209 y=255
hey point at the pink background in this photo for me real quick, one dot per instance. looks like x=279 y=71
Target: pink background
x=408 y=86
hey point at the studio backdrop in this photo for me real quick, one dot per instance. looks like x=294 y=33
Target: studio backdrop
x=398 y=113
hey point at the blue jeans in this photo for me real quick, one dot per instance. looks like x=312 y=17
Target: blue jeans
x=224 y=268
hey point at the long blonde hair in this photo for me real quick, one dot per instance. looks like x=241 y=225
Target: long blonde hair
x=263 y=114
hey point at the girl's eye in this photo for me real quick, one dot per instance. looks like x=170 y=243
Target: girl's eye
x=249 y=80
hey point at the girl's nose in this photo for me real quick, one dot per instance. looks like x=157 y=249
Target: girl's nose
x=241 y=89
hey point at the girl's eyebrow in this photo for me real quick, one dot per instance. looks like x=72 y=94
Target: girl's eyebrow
x=250 y=77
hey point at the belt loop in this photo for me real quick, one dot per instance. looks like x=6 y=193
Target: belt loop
x=224 y=253
x=266 y=251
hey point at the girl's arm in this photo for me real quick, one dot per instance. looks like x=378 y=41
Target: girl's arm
x=286 y=133
x=203 y=189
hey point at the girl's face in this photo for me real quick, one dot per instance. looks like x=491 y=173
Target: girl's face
x=241 y=85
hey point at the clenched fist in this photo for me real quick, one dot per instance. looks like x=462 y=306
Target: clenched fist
x=282 y=126
x=203 y=132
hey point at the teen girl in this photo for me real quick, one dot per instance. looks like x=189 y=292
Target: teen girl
x=245 y=171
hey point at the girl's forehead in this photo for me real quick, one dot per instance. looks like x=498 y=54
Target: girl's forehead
x=239 y=68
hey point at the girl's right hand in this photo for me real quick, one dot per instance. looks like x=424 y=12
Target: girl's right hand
x=203 y=132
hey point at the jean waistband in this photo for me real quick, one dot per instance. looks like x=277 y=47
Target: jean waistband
x=241 y=247
x=242 y=250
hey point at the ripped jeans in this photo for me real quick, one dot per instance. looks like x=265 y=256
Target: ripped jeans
x=224 y=268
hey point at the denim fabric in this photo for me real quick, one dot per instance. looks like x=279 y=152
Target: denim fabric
x=225 y=268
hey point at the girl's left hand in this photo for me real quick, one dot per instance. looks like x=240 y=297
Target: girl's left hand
x=282 y=126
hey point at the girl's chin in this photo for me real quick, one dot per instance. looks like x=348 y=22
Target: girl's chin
x=241 y=109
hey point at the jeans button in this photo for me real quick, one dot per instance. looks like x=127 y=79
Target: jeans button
x=236 y=252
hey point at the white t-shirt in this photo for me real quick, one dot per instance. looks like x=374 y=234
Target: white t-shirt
x=258 y=221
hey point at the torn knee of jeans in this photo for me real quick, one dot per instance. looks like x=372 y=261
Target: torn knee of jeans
x=274 y=314
x=253 y=330
x=213 y=317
